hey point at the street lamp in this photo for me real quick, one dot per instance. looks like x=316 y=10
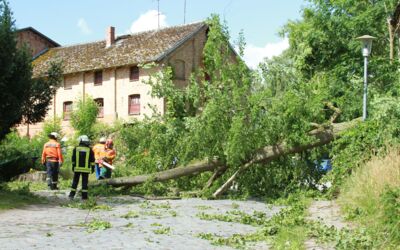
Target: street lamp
x=366 y=41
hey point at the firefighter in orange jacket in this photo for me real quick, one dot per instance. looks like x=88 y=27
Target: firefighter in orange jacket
x=109 y=156
x=52 y=158
x=99 y=152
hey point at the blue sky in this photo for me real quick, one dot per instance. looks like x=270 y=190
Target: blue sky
x=79 y=21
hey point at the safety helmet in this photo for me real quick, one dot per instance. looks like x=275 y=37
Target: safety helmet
x=84 y=139
x=103 y=140
x=109 y=143
x=53 y=135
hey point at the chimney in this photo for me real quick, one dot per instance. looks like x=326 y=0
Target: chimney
x=110 y=36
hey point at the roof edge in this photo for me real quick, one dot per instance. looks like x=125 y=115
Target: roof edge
x=40 y=34
x=178 y=44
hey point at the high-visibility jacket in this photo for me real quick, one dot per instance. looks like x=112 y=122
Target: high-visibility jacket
x=82 y=159
x=99 y=151
x=110 y=155
x=52 y=152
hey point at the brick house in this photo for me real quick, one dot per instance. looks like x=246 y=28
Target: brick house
x=110 y=72
x=36 y=41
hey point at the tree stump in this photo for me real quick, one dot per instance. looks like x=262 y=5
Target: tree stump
x=37 y=176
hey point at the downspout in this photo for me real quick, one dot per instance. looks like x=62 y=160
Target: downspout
x=115 y=94
x=83 y=87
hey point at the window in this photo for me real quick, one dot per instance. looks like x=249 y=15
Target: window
x=67 y=83
x=134 y=105
x=98 y=77
x=179 y=69
x=134 y=73
x=100 y=104
x=67 y=109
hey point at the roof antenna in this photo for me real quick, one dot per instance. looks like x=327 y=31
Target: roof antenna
x=158 y=13
x=226 y=8
x=184 y=11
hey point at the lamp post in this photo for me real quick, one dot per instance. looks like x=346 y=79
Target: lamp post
x=366 y=41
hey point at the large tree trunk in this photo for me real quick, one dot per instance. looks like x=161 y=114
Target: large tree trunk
x=321 y=136
x=191 y=169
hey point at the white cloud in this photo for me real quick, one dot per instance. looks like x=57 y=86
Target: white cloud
x=83 y=26
x=148 y=21
x=254 y=55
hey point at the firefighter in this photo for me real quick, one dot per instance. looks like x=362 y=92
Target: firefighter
x=82 y=165
x=52 y=158
x=109 y=156
x=99 y=152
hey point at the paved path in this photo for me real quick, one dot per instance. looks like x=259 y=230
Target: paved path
x=328 y=213
x=53 y=226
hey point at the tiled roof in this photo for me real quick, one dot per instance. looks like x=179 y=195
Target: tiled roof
x=131 y=49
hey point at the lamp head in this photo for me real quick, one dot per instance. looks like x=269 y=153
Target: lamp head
x=366 y=41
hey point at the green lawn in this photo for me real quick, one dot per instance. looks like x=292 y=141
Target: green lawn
x=13 y=197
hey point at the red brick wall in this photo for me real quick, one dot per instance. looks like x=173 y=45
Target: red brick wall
x=35 y=42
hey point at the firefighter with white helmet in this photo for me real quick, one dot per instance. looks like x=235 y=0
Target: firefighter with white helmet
x=99 y=152
x=82 y=165
x=52 y=158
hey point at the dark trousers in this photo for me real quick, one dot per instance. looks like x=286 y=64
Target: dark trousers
x=75 y=182
x=52 y=174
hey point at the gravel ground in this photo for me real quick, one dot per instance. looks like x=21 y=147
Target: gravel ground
x=53 y=226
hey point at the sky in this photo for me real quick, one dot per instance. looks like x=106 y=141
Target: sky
x=78 y=21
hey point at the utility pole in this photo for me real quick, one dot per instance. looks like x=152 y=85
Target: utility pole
x=184 y=11
x=158 y=13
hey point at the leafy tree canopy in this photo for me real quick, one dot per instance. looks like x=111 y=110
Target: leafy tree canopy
x=22 y=98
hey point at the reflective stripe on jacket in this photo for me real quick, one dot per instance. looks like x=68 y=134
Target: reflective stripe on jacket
x=82 y=159
x=52 y=152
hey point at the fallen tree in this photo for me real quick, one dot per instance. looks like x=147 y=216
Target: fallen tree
x=320 y=136
x=191 y=169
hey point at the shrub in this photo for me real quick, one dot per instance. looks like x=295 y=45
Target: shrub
x=84 y=116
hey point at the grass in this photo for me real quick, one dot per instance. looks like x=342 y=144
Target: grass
x=95 y=225
x=371 y=198
x=291 y=238
x=162 y=230
x=17 y=196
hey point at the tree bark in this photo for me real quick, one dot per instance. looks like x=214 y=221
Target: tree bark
x=321 y=137
x=191 y=169
x=391 y=39
x=217 y=173
x=270 y=153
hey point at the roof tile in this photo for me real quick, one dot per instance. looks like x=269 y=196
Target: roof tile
x=128 y=50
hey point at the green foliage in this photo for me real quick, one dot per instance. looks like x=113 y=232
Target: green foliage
x=96 y=224
x=83 y=117
x=226 y=118
x=391 y=213
x=90 y=204
x=15 y=73
x=162 y=230
x=256 y=219
x=23 y=98
x=131 y=214
x=16 y=156
x=14 y=197
x=41 y=92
